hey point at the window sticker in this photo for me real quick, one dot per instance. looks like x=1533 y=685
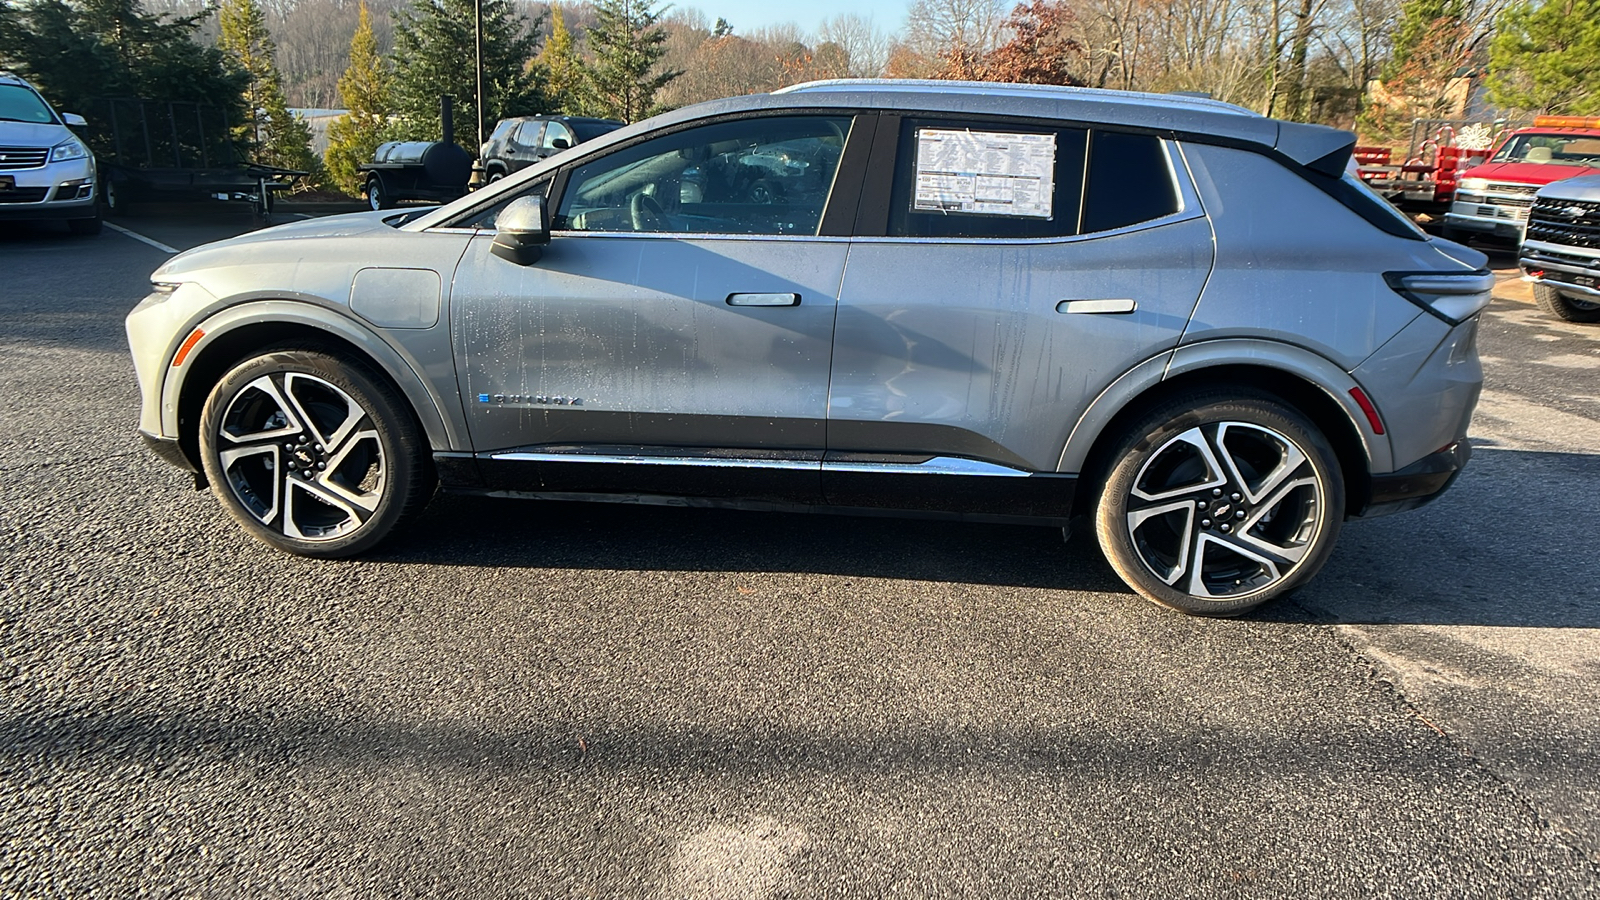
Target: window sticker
x=988 y=173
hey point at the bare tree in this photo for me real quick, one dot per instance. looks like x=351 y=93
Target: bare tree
x=941 y=27
x=865 y=46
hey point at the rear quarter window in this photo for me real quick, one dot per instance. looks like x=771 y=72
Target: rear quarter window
x=1130 y=181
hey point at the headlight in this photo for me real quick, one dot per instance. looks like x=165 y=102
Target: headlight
x=1474 y=184
x=71 y=148
x=1452 y=296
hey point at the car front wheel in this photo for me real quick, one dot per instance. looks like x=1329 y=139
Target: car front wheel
x=312 y=453
x=1218 y=502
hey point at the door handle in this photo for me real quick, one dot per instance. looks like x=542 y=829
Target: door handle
x=763 y=299
x=1114 y=307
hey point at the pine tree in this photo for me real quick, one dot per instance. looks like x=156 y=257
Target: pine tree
x=433 y=55
x=364 y=90
x=628 y=41
x=562 y=66
x=273 y=135
x=1546 y=57
x=78 y=51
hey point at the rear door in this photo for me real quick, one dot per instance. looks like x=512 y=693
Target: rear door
x=1007 y=273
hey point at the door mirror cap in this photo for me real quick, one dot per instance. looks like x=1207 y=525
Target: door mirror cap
x=74 y=120
x=520 y=232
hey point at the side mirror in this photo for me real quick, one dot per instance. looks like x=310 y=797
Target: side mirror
x=560 y=144
x=520 y=232
x=75 y=120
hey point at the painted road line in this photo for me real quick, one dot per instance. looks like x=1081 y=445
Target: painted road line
x=142 y=239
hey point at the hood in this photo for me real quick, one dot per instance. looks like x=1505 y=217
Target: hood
x=1584 y=187
x=331 y=226
x=1526 y=172
x=32 y=134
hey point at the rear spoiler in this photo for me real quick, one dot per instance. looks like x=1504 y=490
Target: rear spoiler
x=1317 y=147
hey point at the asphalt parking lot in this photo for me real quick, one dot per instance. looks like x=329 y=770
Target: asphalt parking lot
x=523 y=699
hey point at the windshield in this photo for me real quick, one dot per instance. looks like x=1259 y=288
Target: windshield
x=1555 y=149
x=20 y=104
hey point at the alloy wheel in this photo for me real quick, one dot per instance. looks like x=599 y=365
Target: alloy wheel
x=301 y=456
x=1225 y=510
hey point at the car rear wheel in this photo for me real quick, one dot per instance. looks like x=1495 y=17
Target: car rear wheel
x=312 y=453
x=1569 y=309
x=1219 y=502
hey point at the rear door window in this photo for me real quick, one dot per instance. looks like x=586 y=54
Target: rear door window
x=528 y=134
x=968 y=179
x=977 y=179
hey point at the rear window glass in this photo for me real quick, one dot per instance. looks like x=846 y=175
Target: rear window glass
x=986 y=180
x=1129 y=182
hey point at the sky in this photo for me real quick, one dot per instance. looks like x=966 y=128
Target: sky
x=746 y=15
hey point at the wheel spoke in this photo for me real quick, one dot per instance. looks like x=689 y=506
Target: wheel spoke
x=1290 y=460
x=1289 y=551
x=1195 y=440
x=307 y=390
x=247 y=420
x=253 y=471
x=294 y=504
x=366 y=499
x=1185 y=537
x=1208 y=542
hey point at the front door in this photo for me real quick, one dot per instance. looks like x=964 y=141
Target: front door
x=682 y=315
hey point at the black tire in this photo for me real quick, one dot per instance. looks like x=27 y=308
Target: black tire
x=378 y=193
x=1568 y=309
x=289 y=411
x=495 y=175
x=85 y=227
x=1206 y=481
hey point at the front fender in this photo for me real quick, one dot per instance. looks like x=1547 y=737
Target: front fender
x=444 y=431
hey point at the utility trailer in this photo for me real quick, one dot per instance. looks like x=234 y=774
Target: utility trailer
x=1439 y=149
x=176 y=150
x=432 y=171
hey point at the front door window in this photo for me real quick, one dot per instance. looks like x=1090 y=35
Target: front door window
x=749 y=176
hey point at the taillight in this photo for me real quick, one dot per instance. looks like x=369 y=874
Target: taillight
x=1452 y=296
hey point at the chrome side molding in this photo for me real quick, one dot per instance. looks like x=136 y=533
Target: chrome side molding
x=939 y=465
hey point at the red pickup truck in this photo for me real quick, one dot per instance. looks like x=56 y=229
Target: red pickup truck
x=1493 y=198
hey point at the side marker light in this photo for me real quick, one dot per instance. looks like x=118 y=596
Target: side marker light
x=1367 y=407
x=191 y=340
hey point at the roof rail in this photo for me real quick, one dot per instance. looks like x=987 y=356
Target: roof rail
x=1014 y=89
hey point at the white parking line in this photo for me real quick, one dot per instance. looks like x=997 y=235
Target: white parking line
x=142 y=239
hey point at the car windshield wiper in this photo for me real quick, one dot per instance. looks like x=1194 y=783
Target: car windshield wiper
x=29 y=121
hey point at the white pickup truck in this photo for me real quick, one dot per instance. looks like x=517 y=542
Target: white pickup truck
x=1561 y=250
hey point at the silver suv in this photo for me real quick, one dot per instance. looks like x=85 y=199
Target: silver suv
x=975 y=301
x=45 y=171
